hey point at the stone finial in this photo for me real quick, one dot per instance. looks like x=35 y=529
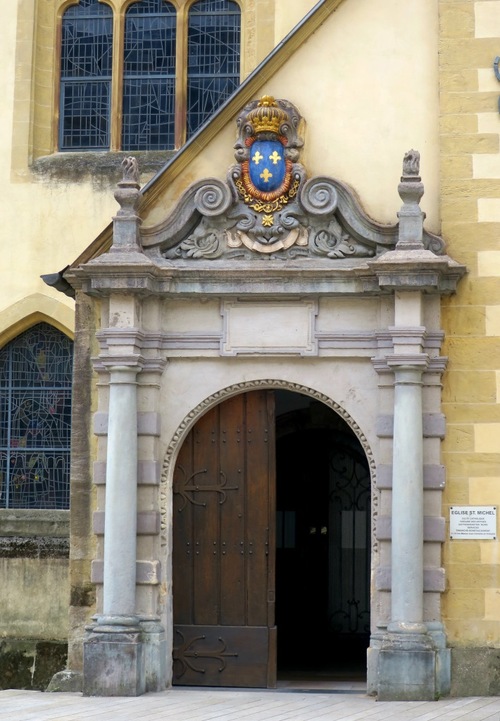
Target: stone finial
x=130 y=170
x=411 y=164
x=126 y=221
x=411 y=217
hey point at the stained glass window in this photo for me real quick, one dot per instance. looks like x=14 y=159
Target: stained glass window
x=124 y=61
x=149 y=76
x=35 y=419
x=213 y=58
x=86 y=60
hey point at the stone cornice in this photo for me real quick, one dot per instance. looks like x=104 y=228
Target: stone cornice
x=120 y=275
x=267 y=278
x=399 y=270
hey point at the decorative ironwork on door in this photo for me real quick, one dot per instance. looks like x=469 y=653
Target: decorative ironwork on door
x=349 y=541
x=223 y=573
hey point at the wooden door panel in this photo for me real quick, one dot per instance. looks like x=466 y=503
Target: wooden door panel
x=223 y=555
x=205 y=520
x=260 y=456
x=232 y=520
x=183 y=581
x=221 y=656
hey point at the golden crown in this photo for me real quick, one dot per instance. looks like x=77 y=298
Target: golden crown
x=267 y=117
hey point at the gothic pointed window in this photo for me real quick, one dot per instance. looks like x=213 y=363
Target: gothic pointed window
x=35 y=419
x=167 y=68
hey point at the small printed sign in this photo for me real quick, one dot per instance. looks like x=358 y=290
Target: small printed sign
x=473 y=522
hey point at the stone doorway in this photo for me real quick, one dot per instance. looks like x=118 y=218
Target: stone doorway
x=271 y=540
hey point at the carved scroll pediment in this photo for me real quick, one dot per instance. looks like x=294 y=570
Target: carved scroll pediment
x=267 y=207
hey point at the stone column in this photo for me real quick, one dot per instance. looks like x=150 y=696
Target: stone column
x=120 y=529
x=113 y=663
x=407 y=549
x=407 y=659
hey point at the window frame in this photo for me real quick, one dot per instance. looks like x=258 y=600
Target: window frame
x=12 y=445
x=119 y=8
x=107 y=79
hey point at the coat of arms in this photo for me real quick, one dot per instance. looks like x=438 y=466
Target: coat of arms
x=268 y=177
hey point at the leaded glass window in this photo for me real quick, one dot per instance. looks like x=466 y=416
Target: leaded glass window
x=86 y=60
x=213 y=58
x=35 y=419
x=144 y=74
x=149 y=76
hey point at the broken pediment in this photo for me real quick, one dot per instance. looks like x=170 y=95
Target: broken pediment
x=267 y=207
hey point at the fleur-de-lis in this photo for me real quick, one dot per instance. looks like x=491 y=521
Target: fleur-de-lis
x=265 y=175
x=275 y=157
x=257 y=158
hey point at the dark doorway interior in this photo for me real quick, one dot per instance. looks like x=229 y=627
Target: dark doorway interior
x=322 y=542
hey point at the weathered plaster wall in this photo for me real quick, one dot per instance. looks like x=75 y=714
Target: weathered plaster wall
x=34 y=550
x=470 y=211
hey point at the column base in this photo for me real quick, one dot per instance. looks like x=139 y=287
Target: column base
x=408 y=668
x=443 y=657
x=155 y=655
x=372 y=655
x=113 y=664
x=124 y=656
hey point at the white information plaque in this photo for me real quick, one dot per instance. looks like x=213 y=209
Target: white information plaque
x=473 y=522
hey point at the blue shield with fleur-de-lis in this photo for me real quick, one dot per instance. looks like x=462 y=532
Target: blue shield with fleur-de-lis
x=267 y=165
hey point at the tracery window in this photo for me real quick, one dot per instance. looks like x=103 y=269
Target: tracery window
x=35 y=419
x=86 y=61
x=167 y=67
x=213 y=66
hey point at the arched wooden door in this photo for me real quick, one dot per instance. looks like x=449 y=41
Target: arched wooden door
x=223 y=549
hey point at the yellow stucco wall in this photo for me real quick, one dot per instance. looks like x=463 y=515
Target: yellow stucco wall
x=365 y=99
x=470 y=210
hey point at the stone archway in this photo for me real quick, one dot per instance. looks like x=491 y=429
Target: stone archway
x=192 y=487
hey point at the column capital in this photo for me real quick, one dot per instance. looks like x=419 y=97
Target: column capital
x=408 y=362
x=123 y=374
x=136 y=364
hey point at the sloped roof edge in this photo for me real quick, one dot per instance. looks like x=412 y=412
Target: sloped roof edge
x=244 y=93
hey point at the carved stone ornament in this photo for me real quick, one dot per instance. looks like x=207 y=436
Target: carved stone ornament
x=268 y=208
